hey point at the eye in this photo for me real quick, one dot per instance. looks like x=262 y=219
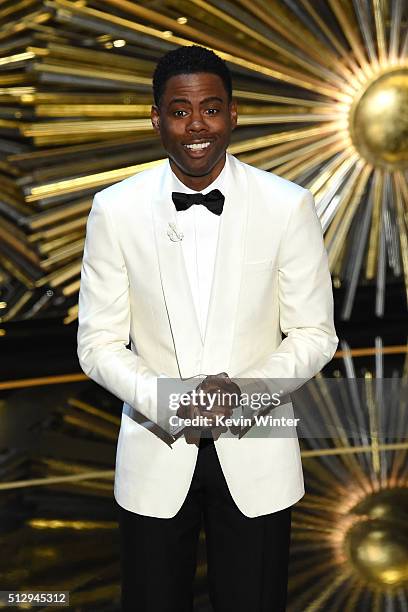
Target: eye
x=180 y=111
x=212 y=111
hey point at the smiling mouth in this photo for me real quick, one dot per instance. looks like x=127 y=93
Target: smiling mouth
x=197 y=146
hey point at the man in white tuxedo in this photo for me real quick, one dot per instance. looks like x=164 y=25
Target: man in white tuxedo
x=202 y=263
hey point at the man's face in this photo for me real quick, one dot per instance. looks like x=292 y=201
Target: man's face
x=195 y=121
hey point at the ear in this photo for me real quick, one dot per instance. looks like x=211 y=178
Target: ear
x=155 y=118
x=233 y=109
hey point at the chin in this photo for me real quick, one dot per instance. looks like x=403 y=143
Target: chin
x=199 y=167
x=197 y=170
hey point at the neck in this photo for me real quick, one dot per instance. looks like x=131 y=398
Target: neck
x=198 y=183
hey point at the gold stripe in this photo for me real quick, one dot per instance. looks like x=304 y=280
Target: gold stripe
x=333 y=39
x=64 y=378
x=340 y=226
x=35 y=482
x=227 y=51
x=285 y=152
x=380 y=29
x=329 y=452
x=264 y=97
x=273 y=16
x=92 y=110
x=42 y=380
x=71 y=288
x=291 y=135
x=7 y=13
x=18 y=57
x=402 y=223
x=26 y=23
x=277 y=47
x=303 y=161
x=351 y=33
x=86 y=182
x=283 y=118
x=375 y=224
x=336 y=170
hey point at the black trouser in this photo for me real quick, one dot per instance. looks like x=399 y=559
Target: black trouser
x=247 y=558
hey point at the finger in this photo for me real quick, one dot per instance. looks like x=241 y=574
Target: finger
x=212 y=416
x=217 y=431
x=235 y=430
x=218 y=410
x=193 y=435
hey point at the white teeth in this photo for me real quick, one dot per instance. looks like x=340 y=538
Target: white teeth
x=199 y=145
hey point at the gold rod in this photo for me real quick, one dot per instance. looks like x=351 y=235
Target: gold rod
x=343 y=228
x=333 y=39
x=35 y=482
x=227 y=51
x=351 y=35
x=266 y=97
x=63 y=378
x=42 y=380
x=237 y=25
x=327 y=452
x=298 y=36
x=86 y=182
x=402 y=226
x=373 y=241
x=304 y=161
x=395 y=32
x=262 y=142
x=380 y=29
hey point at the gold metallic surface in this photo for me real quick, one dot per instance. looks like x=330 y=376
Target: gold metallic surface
x=226 y=50
x=93 y=110
x=97 y=180
x=379 y=120
x=347 y=23
x=400 y=189
x=379 y=17
x=75 y=100
x=375 y=225
x=281 y=137
x=349 y=540
x=377 y=545
x=337 y=233
x=273 y=14
x=313 y=11
x=275 y=46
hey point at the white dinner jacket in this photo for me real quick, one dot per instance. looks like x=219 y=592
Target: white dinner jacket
x=271 y=277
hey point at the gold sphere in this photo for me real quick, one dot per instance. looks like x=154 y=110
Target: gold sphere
x=378 y=120
x=377 y=543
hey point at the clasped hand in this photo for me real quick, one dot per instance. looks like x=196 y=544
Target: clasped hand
x=212 y=388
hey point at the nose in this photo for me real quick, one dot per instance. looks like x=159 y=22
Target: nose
x=196 y=123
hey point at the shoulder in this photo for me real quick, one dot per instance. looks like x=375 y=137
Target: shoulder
x=269 y=182
x=137 y=186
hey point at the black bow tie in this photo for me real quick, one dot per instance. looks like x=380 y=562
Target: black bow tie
x=213 y=200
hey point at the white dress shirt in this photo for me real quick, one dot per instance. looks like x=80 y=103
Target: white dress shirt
x=199 y=245
x=200 y=229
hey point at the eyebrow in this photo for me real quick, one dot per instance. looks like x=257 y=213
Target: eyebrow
x=209 y=99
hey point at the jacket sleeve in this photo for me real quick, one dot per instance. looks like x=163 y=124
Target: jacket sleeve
x=104 y=319
x=305 y=303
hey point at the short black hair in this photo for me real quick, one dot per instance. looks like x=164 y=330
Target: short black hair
x=189 y=60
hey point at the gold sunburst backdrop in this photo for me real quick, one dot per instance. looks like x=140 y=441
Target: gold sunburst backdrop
x=322 y=88
x=349 y=541
x=349 y=545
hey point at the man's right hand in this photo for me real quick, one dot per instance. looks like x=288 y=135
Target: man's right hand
x=210 y=385
x=190 y=411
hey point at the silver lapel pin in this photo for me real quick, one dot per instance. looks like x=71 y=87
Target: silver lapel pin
x=174 y=234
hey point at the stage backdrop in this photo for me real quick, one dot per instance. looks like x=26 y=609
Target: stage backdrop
x=323 y=96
